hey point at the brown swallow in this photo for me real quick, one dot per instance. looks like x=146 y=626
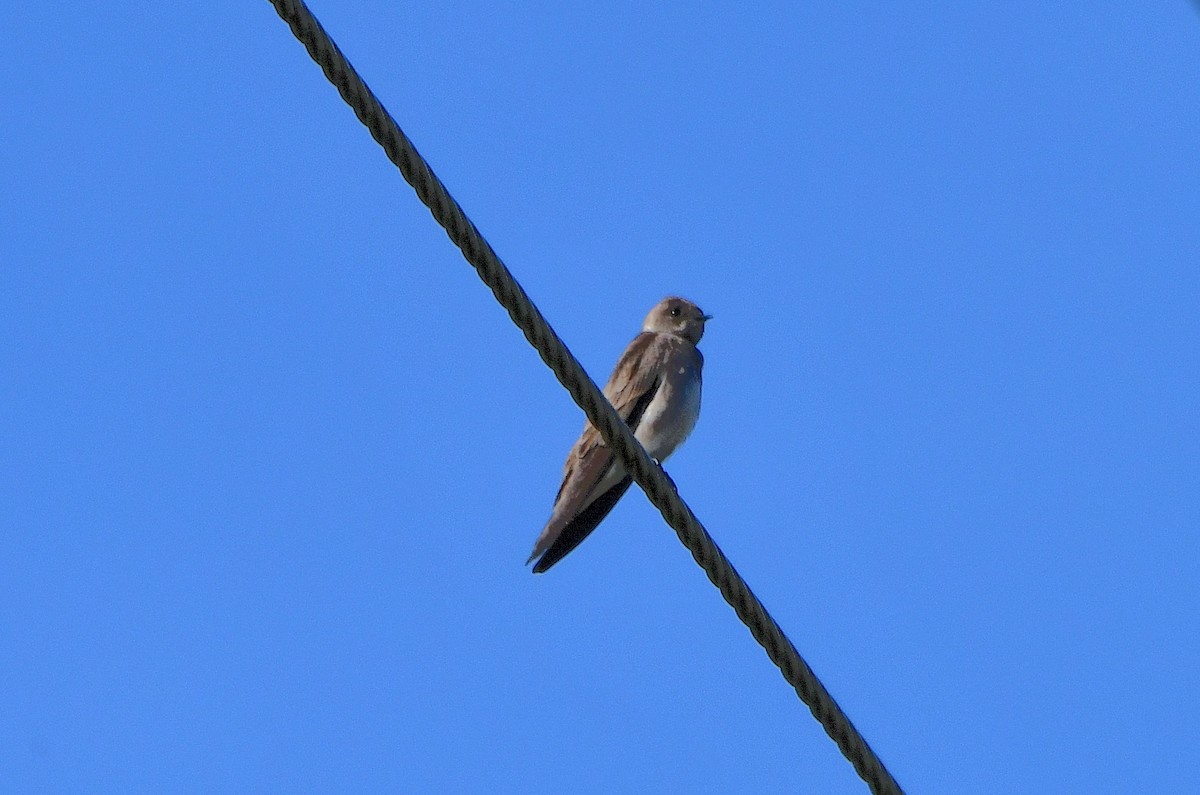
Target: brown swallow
x=655 y=388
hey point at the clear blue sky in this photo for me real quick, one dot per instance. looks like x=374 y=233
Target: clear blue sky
x=271 y=456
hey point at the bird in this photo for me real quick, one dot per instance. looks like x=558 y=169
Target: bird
x=655 y=388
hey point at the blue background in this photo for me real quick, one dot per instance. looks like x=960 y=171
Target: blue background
x=271 y=456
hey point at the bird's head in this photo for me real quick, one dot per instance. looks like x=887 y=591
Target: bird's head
x=677 y=316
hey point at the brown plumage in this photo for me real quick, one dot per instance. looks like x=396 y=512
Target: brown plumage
x=655 y=388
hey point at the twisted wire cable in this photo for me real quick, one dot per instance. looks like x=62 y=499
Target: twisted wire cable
x=659 y=488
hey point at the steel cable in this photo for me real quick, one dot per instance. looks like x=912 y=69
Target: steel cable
x=650 y=476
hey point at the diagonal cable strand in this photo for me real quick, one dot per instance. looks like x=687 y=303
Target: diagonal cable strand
x=658 y=487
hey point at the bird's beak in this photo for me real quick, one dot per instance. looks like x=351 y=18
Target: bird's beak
x=706 y=318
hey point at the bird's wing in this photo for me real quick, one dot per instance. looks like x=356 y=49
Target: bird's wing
x=581 y=525
x=591 y=484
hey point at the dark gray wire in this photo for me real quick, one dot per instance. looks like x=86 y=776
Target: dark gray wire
x=658 y=487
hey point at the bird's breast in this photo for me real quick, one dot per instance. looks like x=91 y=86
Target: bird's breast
x=672 y=414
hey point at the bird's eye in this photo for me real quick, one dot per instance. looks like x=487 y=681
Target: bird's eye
x=674 y=311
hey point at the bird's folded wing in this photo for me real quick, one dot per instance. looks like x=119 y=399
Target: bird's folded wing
x=587 y=477
x=582 y=524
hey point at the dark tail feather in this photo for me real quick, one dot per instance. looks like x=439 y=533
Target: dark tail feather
x=578 y=528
